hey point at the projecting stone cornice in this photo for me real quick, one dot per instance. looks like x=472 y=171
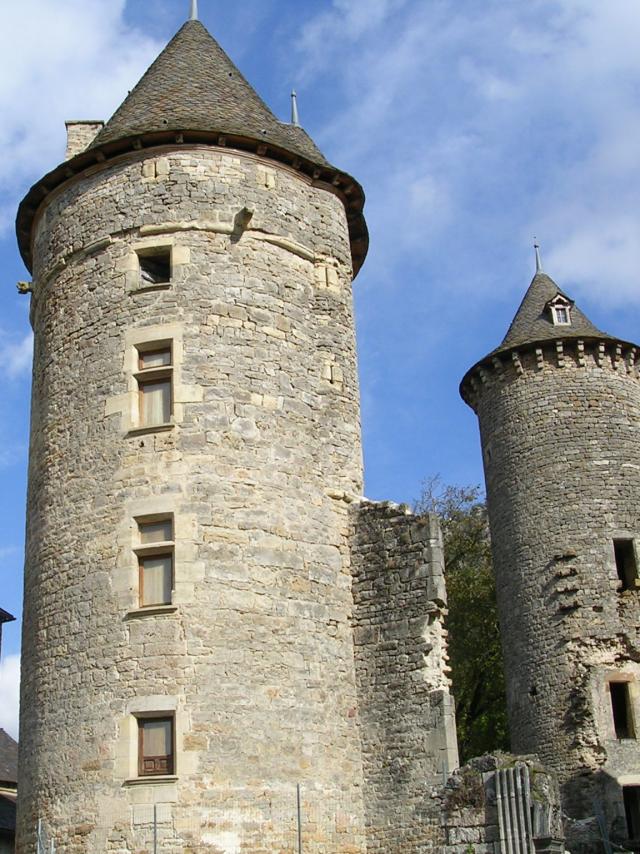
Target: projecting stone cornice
x=559 y=353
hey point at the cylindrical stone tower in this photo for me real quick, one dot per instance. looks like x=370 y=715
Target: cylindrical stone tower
x=559 y=410
x=195 y=445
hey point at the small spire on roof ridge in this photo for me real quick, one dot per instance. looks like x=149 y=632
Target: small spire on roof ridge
x=295 y=117
x=536 y=246
x=194 y=10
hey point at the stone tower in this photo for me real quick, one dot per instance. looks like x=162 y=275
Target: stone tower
x=201 y=631
x=559 y=409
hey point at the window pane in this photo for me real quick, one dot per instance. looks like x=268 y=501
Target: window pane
x=155 y=402
x=156 y=738
x=156 y=580
x=156 y=359
x=156 y=532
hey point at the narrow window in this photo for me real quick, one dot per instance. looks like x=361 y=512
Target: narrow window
x=155 y=561
x=155 y=267
x=626 y=565
x=155 y=392
x=631 y=796
x=621 y=709
x=155 y=746
x=562 y=316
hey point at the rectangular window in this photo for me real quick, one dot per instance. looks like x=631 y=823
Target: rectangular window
x=155 y=267
x=155 y=746
x=631 y=796
x=155 y=385
x=622 y=710
x=626 y=564
x=155 y=561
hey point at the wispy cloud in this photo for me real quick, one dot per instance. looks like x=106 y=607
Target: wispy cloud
x=10 y=694
x=95 y=48
x=16 y=356
x=477 y=124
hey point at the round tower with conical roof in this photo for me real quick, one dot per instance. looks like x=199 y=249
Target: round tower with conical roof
x=188 y=653
x=559 y=409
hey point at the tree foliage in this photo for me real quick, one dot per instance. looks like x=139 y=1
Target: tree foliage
x=474 y=638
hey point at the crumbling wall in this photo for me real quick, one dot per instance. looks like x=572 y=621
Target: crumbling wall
x=477 y=811
x=405 y=706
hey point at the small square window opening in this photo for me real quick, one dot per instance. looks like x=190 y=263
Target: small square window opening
x=621 y=710
x=155 y=267
x=155 y=746
x=155 y=562
x=626 y=563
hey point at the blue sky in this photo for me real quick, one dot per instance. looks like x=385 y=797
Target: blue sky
x=472 y=127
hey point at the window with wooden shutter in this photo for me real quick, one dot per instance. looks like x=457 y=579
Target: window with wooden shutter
x=155 y=746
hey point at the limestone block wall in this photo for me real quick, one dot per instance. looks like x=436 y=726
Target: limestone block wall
x=405 y=708
x=254 y=656
x=560 y=429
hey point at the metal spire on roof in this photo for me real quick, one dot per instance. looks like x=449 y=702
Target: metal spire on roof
x=194 y=10
x=295 y=118
x=536 y=246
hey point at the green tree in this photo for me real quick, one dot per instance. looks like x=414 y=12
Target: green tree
x=474 y=638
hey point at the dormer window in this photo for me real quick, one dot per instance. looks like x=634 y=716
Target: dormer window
x=560 y=308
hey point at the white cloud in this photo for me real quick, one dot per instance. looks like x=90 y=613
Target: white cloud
x=10 y=694
x=16 y=356
x=513 y=119
x=45 y=47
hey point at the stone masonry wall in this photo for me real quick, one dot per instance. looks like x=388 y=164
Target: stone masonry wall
x=560 y=435
x=405 y=708
x=254 y=657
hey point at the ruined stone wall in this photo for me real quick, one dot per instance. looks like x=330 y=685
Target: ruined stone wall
x=560 y=435
x=405 y=708
x=254 y=657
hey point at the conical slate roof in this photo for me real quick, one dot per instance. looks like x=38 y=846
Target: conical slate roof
x=194 y=95
x=533 y=321
x=533 y=325
x=194 y=86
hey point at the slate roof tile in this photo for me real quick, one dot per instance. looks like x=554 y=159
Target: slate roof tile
x=193 y=85
x=533 y=323
x=8 y=758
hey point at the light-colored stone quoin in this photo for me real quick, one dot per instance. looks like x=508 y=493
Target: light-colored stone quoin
x=559 y=411
x=269 y=657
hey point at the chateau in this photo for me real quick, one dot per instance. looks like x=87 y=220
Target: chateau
x=226 y=648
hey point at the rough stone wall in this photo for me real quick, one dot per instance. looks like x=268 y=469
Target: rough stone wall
x=255 y=656
x=560 y=432
x=406 y=710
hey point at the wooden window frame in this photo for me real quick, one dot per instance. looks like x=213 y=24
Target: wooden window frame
x=161 y=548
x=171 y=758
x=146 y=376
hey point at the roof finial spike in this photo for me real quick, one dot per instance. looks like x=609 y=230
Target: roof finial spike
x=536 y=246
x=194 y=10
x=295 y=117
